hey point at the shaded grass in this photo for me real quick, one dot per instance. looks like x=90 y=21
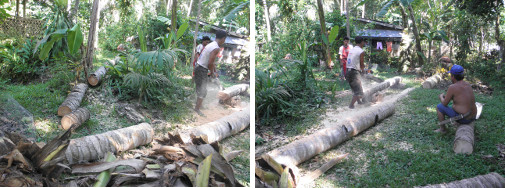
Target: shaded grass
x=240 y=164
x=403 y=150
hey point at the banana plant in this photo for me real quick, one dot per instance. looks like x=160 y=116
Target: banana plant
x=170 y=40
x=73 y=36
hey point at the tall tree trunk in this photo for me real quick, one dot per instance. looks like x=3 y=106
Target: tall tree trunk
x=24 y=8
x=267 y=19
x=196 y=30
x=324 y=33
x=97 y=25
x=174 y=16
x=450 y=42
x=430 y=44
x=499 y=41
x=405 y=21
x=347 y=18
x=88 y=60
x=74 y=11
x=17 y=8
x=342 y=6
x=416 y=35
x=189 y=8
x=481 y=40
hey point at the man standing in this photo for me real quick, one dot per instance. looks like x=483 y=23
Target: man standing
x=205 y=64
x=199 y=49
x=343 y=51
x=461 y=94
x=355 y=66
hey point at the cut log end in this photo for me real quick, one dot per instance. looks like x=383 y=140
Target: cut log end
x=93 y=80
x=464 y=139
x=223 y=96
x=64 y=110
x=78 y=117
x=463 y=147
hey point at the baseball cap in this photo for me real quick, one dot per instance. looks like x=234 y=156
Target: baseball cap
x=456 y=69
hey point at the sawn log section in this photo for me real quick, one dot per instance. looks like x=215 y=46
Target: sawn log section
x=73 y=99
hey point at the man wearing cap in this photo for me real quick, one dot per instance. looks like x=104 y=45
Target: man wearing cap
x=461 y=94
x=205 y=65
x=199 y=50
x=355 y=66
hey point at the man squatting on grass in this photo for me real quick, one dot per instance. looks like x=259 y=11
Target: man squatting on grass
x=461 y=93
x=204 y=64
x=355 y=66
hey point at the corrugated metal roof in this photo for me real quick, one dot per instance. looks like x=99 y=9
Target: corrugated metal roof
x=376 y=33
x=229 y=39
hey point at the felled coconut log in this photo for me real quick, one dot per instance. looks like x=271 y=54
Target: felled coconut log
x=490 y=180
x=232 y=91
x=369 y=93
x=464 y=140
x=95 y=77
x=94 y=147
x=432 y=81
x=78 y=117
x=301 y=150
x=219 y=129
x=73 y=99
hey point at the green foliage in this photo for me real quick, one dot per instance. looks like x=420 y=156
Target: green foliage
x=148 y=86
x=74 y=41
x=18 y=63
x=3 y=11
x=142 y=39
x=271 y=96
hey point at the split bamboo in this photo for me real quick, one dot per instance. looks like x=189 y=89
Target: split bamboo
x=73 y=99
x=94 y=147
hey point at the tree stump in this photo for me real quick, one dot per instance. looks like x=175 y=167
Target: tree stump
x=95 y=78
x=73 y=99
x=78 y=117
x=464 y=140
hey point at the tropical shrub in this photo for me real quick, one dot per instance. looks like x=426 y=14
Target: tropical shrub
x=18 y=63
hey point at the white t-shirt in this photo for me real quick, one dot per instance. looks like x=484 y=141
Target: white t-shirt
x=199 y=48
x=354 y=57
x=342 y=48
x=203 y=60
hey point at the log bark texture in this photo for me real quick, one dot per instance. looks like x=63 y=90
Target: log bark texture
x=232 y=91
x=489 y=180
x=95 y=77
x=73 y=99
x=94 y=147
x=219 y=129
x=301 y=150
x=369 y=93
x=78 y=117
x=432 y=81
x=464 y=140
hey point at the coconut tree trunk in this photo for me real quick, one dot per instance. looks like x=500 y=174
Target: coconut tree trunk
x=405 y=21
x=450 y=42
x=88 y=60
x=301 y=150
x=267 y=19
x=17 y=8
x=347 y=18
x=363 y=13
x=232 y=91
x=24 y=8
x=368 y=93
x=500 y=42
x=195 y=36
x=189 y=8
x=432 y=81
x=77 y=117
x=94 y=147
x=464 y=139
x=73 y=99
x=219 y=129
x=174 y=16
x=322 y=21
x=416 y=35
x=489 y=180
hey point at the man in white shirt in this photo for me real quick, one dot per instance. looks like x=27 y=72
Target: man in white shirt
x=204 y=64
x=355 y=66
x=343 y=51
x=199 y=49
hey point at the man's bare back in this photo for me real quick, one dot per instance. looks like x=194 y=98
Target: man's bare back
x=463 y=98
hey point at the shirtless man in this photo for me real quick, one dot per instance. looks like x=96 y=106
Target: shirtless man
x=461 y=93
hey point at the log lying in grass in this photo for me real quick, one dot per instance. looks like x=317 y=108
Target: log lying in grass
x=432 y=81
x=232 y=91
x=219 y=129
x=95 y=77
x=368 y=93
x=95 y=147
x=73 y=99
x=489 y=180
x=78 y=117
x=464 y=140
x=301 y=150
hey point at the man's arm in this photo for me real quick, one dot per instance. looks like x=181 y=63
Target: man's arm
x=362 y=61
x=340 y=52
x=447 y=98
x=212 y=58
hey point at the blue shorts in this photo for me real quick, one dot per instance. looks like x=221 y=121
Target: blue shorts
x=448 y=111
